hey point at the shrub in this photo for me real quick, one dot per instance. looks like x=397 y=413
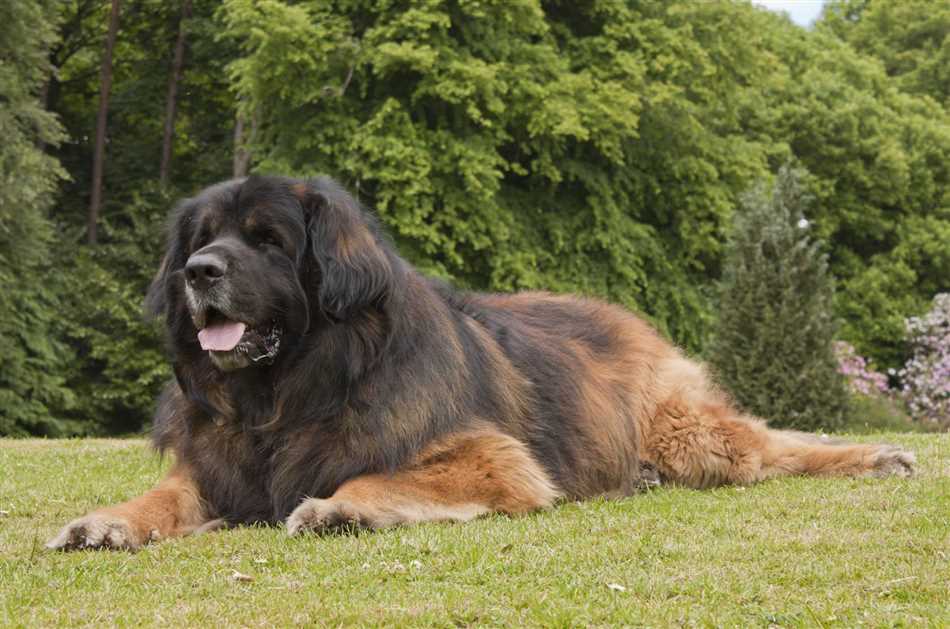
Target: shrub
x=926 y=376
x=873 y=405
x=773 y=340
x=861 y=378
x=869 y=414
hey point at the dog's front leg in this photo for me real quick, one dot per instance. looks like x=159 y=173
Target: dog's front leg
x=173 y=508
x=457 y=478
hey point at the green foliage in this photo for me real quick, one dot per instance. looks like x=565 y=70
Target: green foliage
x=142 y=60
x=868 y=414
x=599 y=147
x=594 y=147
x=119 y=367
x=118 y=364
x=510 y=145
x=772 y=347
x=910 y=37
x=32 y=390
x=894 y=258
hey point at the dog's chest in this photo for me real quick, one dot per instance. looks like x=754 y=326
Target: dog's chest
x=249 y=475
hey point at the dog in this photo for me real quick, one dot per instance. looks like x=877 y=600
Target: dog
x=322 y=382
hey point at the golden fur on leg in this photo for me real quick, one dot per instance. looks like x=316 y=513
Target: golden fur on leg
x=791 y=453
x=173 y=508
x=458 y=478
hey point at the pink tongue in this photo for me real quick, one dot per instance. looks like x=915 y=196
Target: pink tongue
x=221 y=337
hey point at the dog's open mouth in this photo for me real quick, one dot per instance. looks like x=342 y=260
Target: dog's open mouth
x=233 y=344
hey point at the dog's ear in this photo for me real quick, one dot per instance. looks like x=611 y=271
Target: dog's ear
x=156 y=299
x=355 y=270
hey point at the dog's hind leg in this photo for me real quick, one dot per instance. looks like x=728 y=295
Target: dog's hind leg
x=710 y=444
x=457 y=478
x=801 y=453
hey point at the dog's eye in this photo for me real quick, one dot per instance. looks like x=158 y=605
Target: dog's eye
x=267 y=238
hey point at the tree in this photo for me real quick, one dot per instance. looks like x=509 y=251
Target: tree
x=32 y=391
x=119 y=365
x=592 y=147
x=242 y=144
x=501 y=144
x=98 y=158
x=911 y=38
x=171 y=100
x=880 y=161
x=772 y=344
x=600 y=147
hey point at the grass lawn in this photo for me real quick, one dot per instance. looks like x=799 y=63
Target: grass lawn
x=791 y=552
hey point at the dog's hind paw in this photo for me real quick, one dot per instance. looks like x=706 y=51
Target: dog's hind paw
x=893 y=461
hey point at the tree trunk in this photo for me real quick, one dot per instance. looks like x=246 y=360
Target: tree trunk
x=239 y=166
x=242 y=155
x=105 y=85
x=44 y=101
x=171 y=101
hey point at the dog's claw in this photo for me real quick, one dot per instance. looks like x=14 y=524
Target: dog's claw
x=96 y=530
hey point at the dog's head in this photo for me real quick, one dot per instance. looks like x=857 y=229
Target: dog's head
x=254 y=264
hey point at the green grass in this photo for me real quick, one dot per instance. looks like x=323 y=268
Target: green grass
x=790 y=552
x=870 y=414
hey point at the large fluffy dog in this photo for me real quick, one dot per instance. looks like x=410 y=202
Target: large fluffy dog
x=323 y=382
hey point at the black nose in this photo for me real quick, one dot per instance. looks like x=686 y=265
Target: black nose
x=204 y=269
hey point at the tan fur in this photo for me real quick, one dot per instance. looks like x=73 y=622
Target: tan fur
x=457 y=478
x=300 y=190
x=698 y=439
x=515 y=393
x=172 y=508
x=616 y=389
x=610 y=429
x=358 y=240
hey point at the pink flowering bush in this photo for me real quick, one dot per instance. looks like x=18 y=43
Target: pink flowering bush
x=925 y=378
x=924 y=390
x=861 y=378
x=874 y=405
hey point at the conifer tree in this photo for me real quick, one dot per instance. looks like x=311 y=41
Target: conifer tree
x=772 y=347
x=32 y=390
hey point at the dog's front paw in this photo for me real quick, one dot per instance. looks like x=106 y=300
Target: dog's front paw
x=97 y=530
x=322 y=516
x=893 y=461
